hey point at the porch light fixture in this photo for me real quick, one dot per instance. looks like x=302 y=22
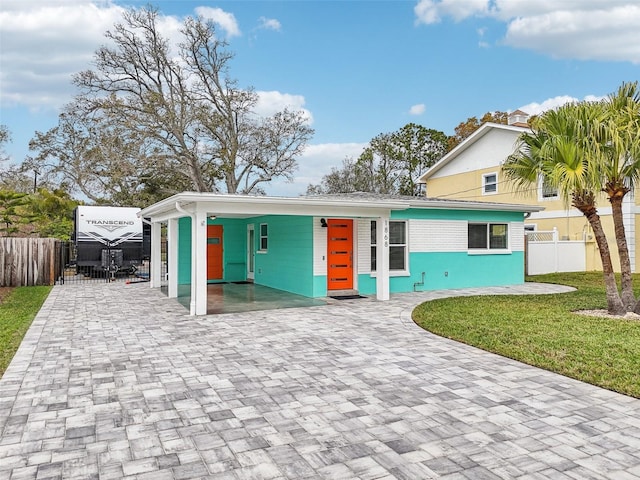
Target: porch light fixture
x=212 y=217
x=323 y=223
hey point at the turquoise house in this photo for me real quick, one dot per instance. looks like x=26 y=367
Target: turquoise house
x=325 y=245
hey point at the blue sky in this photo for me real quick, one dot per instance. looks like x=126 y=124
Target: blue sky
x=359 y=68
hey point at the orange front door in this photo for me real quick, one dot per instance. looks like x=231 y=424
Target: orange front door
x=339 y=254
x=214 y=252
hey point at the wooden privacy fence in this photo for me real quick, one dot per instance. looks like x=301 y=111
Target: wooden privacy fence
x=29 y=261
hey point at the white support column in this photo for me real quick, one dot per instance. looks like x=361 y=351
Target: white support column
x=382 y=258
x=172 y=256
x=155 y=273
x=199 y=264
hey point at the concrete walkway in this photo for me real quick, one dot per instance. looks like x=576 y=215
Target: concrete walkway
x=116 y=381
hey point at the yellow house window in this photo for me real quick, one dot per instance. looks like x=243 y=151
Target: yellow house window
x=489 y=183
x=547 y=190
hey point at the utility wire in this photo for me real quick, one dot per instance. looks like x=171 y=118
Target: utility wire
x=533 y=189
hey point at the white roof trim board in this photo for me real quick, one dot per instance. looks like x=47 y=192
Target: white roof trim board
x=468 y=142
x=347 y=205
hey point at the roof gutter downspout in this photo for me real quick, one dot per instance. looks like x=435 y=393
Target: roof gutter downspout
x=192 y=303
x=183 y=211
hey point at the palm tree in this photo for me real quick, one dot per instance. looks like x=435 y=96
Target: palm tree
x=561 y=149
x=618 y=159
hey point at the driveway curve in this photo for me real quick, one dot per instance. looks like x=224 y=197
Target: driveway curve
x=117 y=381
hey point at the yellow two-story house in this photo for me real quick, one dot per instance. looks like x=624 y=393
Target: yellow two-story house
x=473 y=171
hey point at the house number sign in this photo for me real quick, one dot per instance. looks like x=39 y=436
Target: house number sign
x=386 y=233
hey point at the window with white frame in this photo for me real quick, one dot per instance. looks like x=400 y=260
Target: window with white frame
x=547 y=191
x=397 y=245
x=374 y=238
x=488 y=236
x=489 y=183
x=264 y=237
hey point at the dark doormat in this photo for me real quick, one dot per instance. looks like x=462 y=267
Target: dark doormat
x=346 y=297
x=242 y=282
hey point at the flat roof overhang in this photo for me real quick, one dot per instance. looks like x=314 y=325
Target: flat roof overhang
x=245 y=206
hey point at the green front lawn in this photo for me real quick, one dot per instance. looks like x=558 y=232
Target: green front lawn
x=17 y=311
x=541 y=330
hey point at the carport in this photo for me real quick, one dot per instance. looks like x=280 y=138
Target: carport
x=242 y=297
x=204 y=210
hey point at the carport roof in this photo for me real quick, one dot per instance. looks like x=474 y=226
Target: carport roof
x=357 y=204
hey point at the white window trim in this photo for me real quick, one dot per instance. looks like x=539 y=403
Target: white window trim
x=393 y=273
x=494 y=251
x=484 y=183
x=397 y=273
x=490 y=251
x=542 y=198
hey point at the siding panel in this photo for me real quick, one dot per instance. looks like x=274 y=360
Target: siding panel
x=364 y=245
x=287 y=264
x=437 y=236
x=516 y=240
x=319 y=248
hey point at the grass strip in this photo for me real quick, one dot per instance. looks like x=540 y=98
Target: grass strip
x=542 y=330
x=17 y=311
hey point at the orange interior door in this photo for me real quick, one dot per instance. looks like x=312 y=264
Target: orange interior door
x=214 y=252
x=339 y=254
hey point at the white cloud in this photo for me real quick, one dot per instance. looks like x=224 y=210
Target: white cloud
x=272 y=102
x=227 y=21
x=45 y=42
x=510 y=9
x=588 y=30
x=612 y=34
x=269 y=24
x=315 y=162
x=432 y=11
x=43 y=45
x=417 y=109
x=535 y=108
x=482 y=43
x=426 y=12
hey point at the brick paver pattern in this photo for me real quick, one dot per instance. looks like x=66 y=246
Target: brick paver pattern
x=117 y=381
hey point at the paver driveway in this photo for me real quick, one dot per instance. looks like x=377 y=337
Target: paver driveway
x=117 y=381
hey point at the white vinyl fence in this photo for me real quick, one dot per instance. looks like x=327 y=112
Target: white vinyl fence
x=545 y=253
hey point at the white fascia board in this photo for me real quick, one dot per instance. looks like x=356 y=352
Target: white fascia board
x=222 y=205
x=569 y=213
x=574 y=213
x=163 y=210
x=319 y=210
x=244 y=205
x=457 y=205
x=465 y=144
x=167 y=212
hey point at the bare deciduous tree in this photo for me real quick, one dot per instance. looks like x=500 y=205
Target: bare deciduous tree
x=179 y=115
